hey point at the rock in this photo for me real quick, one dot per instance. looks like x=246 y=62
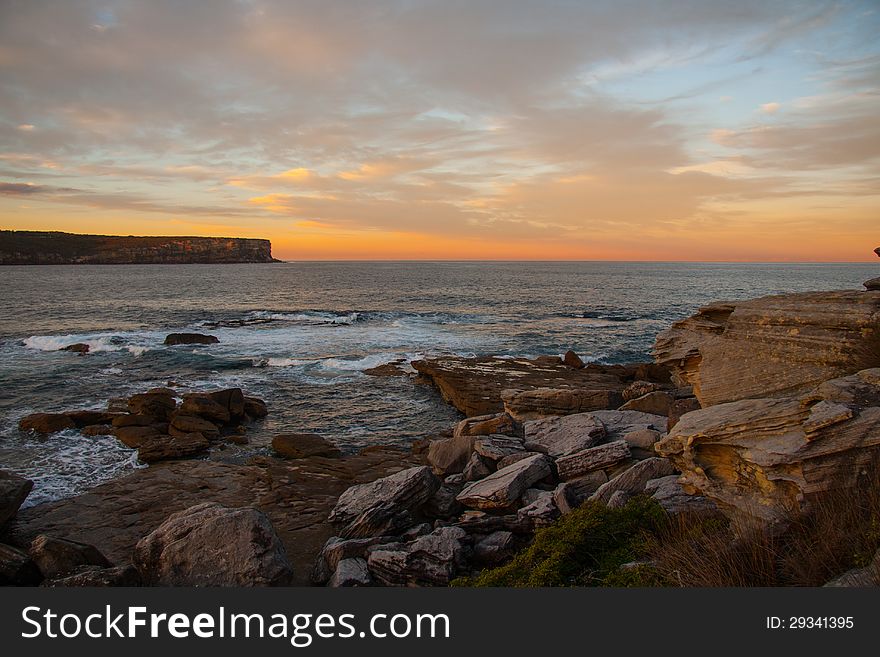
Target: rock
x=46 y=423
x=642 y=439
x=304 y=445
x=212 y=545
x=503 y=488
x=338 y=549
x=232 y=399
x=541 y=402
x=163 y=448
x=17 y=568
x=387 y=369
x=382 y=506
x=618 y=499
x=237 y=439
x=571 y=494
x=202 y=405
x=190 y=338
x=873 y=284
x=496 y=447
x=351 y=572
x=592 y=458
x=13 y=492
x=135 y=436
x=98 y=430
x=563 y=435
x=776 y=346
x=633 y=480
x=450 y=455
x=158 y=404
x=78 y=348
x=474 y=385
x=56 y=557
x=485 y=425
x=678 y=408
x=656 y=403
x=255 y=408
x=761 y=460
x=495 y=548
x=95 y=576
x=510 y=459
x=477 y=468
x=619 y=423
x=479 y=522
x=133 y=420
x=572 y=360
x=670 y=494
x=542 y=511
x=443 y=503
x=869 y=576
x=193 y=424
x=431 y=560
x=638 y=389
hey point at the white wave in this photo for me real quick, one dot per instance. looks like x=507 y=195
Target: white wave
x=359 y=364
x=57 y=342
x=284 y=362
x=136 y=350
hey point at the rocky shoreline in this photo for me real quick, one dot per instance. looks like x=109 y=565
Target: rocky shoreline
x=750 y=412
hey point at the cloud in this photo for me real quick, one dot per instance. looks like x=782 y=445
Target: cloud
x=770 y=108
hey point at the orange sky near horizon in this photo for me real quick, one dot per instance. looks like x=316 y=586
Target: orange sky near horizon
x=407 y=131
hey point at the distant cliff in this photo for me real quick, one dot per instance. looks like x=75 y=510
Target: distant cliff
x=21 y=247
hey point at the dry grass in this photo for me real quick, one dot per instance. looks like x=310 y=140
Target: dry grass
x=840 y=532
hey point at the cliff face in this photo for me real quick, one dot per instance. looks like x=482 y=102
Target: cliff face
x=53 y=248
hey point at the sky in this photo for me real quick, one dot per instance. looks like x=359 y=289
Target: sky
x=686 y=130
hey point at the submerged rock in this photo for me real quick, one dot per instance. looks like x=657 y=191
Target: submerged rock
x=46 y=423
x=212 y=545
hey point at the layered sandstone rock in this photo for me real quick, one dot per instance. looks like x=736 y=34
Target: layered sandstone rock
x=773 y=346
x=761 y=460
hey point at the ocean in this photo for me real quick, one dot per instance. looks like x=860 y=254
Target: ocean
x=299 y=335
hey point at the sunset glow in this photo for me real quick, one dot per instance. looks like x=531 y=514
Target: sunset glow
x=449 y=130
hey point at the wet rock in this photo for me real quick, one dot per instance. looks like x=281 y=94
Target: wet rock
x=46 y=423
x=351 y=572
x=495 y=548
x=572 y=360
x=475 y=385
x=563 y=435
x=86 y=418
x=670 y=494
x=190 y=338
x=503 y=488
x=133 y=420
x=93 y=430
x=656 y=403
x=202 y=405
x=450 y=455
x=164 y=448
x=633 y=480
x=95 y=576
x=135 y=436
x=541 y=402
x=496 y=447
x=255 y=407
x=304 y=445
x=593 y=458
x=56 y=557
x=232 y=399
x=13 y=492
x=159 y=404
x=212 y=545
x=77 y=348
x=775 y=346
x=17 y=568
x=432 y=560
x=873 y=284
x=387 y=369
x=383 y=506
x=183 y=424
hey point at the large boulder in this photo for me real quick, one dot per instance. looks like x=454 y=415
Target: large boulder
x=503 y=488
x=158 y=403
x=164 y=447
x=761 y=460
x=562 y=435
x=385 y=505
x=13 y=492
x=174 y=339
x=774 y=346
x=204 y=406
x=212 y=545
x=46 y=423
x=304 y=445
x=431 y=560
